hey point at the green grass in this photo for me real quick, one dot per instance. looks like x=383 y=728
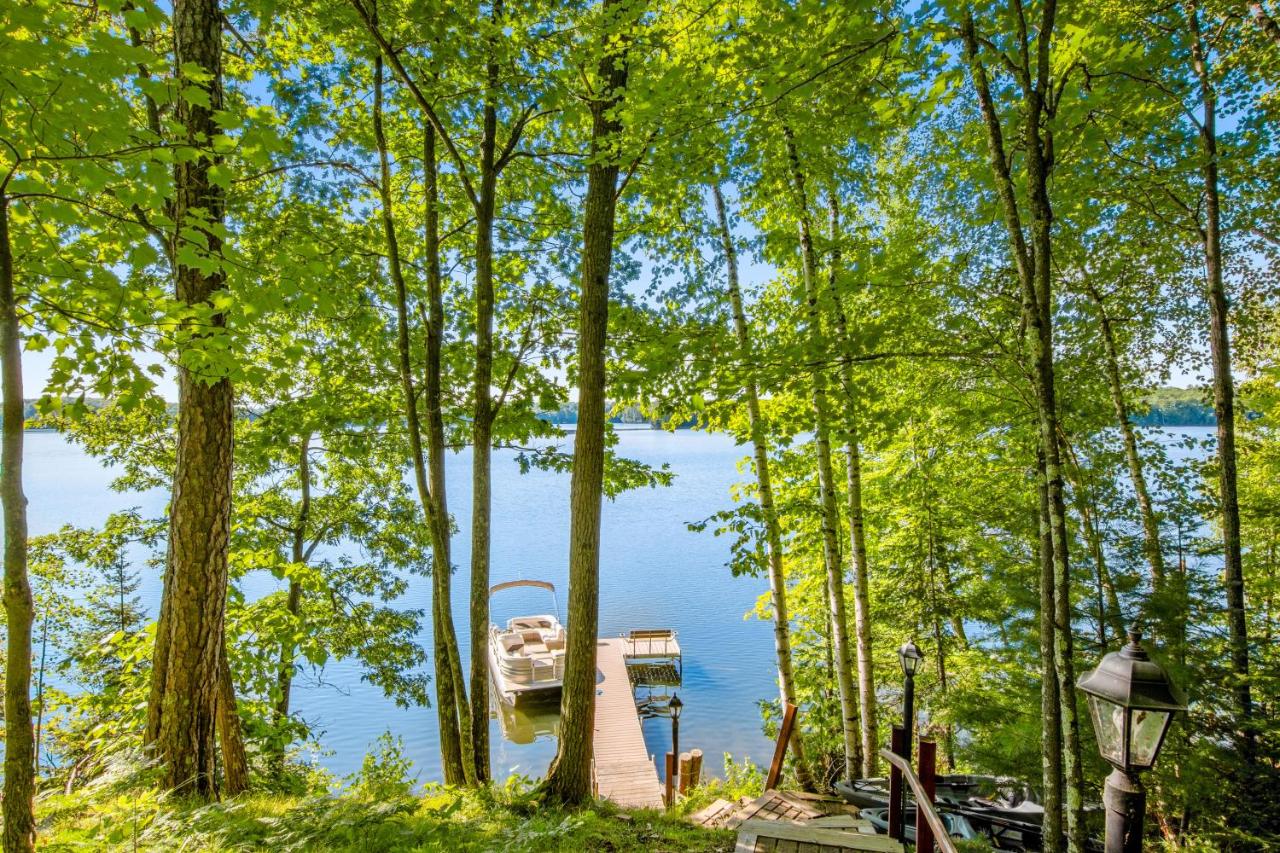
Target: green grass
x=124 y=816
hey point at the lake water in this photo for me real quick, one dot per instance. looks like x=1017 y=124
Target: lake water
x=653 y=573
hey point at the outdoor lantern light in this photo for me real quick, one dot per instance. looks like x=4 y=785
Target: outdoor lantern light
x=1132 y=701
x=910 y=655
x=675 y=706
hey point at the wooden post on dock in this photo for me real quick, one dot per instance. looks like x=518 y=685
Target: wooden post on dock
x=686 y=766
x=695 y=769
x=780 y=751
x=671 y=770
x=929 y=782
x=896 y=744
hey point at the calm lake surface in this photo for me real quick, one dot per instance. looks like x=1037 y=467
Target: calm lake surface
x=653 y=573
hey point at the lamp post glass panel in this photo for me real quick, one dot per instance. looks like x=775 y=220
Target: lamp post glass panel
x=910 y=656
x=1132 y=701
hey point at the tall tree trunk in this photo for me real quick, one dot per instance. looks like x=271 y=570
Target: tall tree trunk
x=1109 y=613
x=482 y=421
x=444 y=638
x=293 y=603
x=826 y=475
x=1223 y=389
x=1150 y=525
x=182 y=713
x=857 y=527
x=1035 y=275
x=764 y=484
x=454 y=715
x=569 y=778
x=19 y=609
x=1050 y=711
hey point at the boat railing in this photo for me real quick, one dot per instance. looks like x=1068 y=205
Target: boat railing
x=924 y=803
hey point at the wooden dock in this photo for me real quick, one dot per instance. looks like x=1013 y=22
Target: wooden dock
x=623 y=771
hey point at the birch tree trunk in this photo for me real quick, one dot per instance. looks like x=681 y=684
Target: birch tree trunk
x=1223 y=388
x=1050 y=711
x=764 y=484
x=569 y=777
x=826 y=475
x=1033 y=262
x=1150 y=525
x=19 y=748
x=857 y=528
x=186 y=683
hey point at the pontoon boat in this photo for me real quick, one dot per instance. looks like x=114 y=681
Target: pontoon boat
x=527 y=657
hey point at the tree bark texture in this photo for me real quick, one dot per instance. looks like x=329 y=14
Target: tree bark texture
x=482 y=418
x=830 y=521
x=1223 y=388
x=235 y=762
x=1035 y=275
x=1137 y=476
x=764 y=484
x=19 y=754
x=569 y=778
x=870 y=746
x=444 y=637
x=452 y=710
x=182 y=714
x=293 y=603
x=1050 y=711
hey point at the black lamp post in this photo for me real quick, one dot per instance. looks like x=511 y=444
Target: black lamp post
x=1132 y=702
x=675 y=706
x=910 y=655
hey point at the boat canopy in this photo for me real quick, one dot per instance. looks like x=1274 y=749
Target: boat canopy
x=513 y=584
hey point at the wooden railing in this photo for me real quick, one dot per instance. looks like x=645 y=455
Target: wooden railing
x=924 y=803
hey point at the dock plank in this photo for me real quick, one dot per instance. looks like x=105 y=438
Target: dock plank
x=624 y=772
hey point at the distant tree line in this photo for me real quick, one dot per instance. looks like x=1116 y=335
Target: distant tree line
x=1167 y=407
x=1176 y=407
x=568 y=414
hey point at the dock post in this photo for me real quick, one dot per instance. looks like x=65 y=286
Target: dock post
x=686 y=767
x=928 y=781
x=895 y=787
x=695 y=768
x=671 y=769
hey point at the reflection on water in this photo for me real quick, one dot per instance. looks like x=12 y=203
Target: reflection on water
x=528 y=722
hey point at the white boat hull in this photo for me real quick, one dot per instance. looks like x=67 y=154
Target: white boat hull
x=527 y=657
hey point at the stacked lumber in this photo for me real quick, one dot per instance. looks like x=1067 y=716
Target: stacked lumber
x=780 y=822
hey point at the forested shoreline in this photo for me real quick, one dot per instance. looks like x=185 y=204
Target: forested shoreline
x=929 y=264
x=1170 y=407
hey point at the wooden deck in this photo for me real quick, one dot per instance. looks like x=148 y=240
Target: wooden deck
x=624 y=772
